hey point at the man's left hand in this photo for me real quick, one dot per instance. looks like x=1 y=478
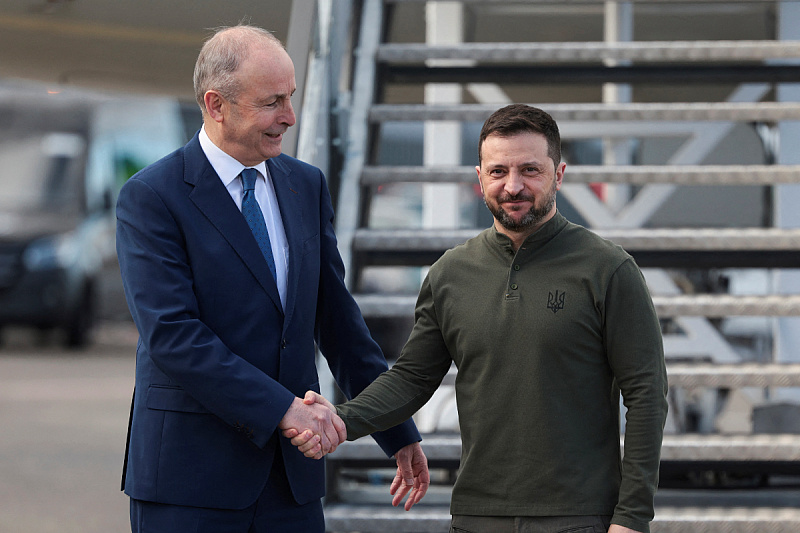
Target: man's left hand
x=412 y=475
x=616 y=528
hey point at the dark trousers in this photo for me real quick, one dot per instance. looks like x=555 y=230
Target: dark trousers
x=530 y=524
x=274 y=512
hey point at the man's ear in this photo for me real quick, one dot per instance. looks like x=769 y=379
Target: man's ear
x=216 y=105
x=560 y=174
x=478 y=170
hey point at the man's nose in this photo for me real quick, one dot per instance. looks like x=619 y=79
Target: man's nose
x=514 y=183
x=289 y=117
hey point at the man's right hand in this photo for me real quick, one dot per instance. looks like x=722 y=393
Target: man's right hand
x=321 y=427
x=306 y=441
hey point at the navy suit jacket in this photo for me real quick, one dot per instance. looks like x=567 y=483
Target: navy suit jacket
x=218 y=360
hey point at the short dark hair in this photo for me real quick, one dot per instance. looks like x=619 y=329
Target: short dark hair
x=522 y=118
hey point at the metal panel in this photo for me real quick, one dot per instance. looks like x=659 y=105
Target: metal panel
x=380 y=519
x=347 y=211
x=721 y=305
x=635 y=175
x=558 y=2
x=726 y=520
x=688 y=447
x=707 y=111
x=527 y=74
x=734 y=376
x=697 y=239
x=655 y=239
x=642 y=51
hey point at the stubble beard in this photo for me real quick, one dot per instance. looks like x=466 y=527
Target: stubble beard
x=534 y=217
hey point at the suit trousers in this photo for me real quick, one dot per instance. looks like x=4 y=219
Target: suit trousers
x=275 y=511
x=530 y=524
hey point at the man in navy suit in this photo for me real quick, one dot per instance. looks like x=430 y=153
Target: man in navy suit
x=228 y=329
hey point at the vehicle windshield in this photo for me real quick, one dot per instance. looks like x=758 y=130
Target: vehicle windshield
x=40 y=171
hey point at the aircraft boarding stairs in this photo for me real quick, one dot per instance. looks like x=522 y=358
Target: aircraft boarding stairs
x=716 y=475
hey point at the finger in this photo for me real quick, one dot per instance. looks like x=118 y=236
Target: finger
x=333 y=437
x=322 y=400
x=397 y=482
x=341 y=429
x=398 y=488
x=312 y=444
x=416 y=495
x=310 y=398
x=315 y=452
x=302 y=438
x=290 y=433
x=406 y=471
x=334 y=430
x=325 y=442
x=400 y=494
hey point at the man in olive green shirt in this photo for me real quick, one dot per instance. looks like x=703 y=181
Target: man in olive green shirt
x=547 y=323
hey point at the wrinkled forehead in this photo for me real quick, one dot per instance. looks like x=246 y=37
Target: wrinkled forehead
x=268 y=70
x=526 y=145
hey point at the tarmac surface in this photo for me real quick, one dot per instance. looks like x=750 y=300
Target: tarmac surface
x=63 y=424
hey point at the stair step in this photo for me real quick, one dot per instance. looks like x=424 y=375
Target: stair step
x=628 y=174
x=591 y=51
x=722 y=305
x=345 y=518
x=688 y=239
x=446 y=449
x=725 y=520
x=657 y=247
x=694 y=111
x=734 y=375
x=714 y=448
x=581 y=2
x=669 y=74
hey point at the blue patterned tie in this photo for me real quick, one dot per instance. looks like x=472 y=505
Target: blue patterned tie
x=255 y=218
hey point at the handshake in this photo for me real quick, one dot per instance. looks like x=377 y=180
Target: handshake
x=314 y=427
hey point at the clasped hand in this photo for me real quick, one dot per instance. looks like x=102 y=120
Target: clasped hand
x=412 y=475
x=315 y=424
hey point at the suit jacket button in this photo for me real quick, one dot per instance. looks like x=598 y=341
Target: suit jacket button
x=283 y=343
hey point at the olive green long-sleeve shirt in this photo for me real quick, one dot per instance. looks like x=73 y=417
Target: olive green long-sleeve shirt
x=544 y=340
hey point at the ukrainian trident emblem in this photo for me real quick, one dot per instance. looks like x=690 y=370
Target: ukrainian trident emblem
x=555 y=302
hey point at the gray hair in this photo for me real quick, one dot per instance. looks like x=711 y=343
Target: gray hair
x=221 y=56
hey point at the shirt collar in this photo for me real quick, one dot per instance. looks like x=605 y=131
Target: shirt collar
x=538 y=238
x=226 y=167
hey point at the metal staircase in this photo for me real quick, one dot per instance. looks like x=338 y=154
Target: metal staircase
x=634 y=143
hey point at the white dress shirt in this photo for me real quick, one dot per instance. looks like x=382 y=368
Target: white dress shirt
x=228 y=169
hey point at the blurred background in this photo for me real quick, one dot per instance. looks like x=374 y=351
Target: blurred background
x=680 y=132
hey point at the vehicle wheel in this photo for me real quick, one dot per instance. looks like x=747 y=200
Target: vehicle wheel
x=79 y=328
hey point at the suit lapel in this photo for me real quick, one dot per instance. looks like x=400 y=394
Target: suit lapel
x=213 y=200
x=289 y=202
